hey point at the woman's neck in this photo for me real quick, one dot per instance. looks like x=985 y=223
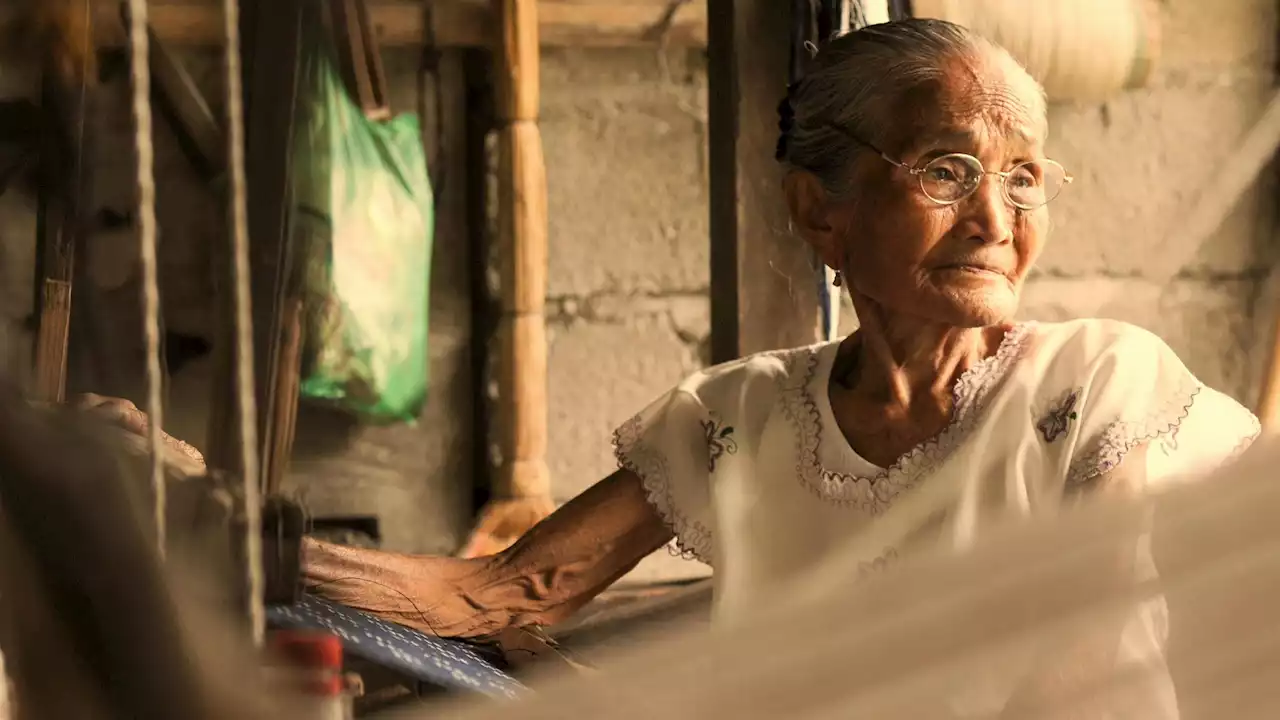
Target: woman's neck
x=900 y=360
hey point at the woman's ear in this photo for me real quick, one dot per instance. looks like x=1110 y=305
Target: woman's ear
x=812 y=216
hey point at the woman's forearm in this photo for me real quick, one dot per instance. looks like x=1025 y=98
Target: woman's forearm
x=573 y=555
x=552 y=571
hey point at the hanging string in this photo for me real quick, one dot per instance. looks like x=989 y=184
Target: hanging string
x=140 y=53
x=246 y=405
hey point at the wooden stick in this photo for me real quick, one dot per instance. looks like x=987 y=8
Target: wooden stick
x=285 y=420
x=51 y=340
x=523 y=237
x=1269 y=401
x=522 y=488
x=65 y=188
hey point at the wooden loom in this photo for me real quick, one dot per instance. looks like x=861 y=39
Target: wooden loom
x=522 y=489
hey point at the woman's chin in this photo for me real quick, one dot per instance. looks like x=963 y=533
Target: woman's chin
x=963 y=307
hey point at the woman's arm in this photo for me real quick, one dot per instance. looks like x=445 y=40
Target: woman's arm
x=555 y=569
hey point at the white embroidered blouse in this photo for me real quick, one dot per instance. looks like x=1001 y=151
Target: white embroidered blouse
x=747 y=464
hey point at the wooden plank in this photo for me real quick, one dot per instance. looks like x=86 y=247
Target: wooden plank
x=184 y=106
x=65 y=189
x=459 y=23
x=764 y=292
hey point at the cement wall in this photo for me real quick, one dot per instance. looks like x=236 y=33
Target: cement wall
x=628 y=315
x=1140 y=161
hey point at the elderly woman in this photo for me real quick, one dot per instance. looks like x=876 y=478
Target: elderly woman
x=916 y=170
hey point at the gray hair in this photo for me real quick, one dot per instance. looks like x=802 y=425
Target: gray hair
x=855 y=82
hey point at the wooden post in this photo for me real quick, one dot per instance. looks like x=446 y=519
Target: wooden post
x=271 y=83
x=764 y=291
x=64 y=193
x=522 y=489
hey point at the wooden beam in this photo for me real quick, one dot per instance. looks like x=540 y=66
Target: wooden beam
x=764 y=287
x=65 y=191
x=459 y=23
x=270 y=87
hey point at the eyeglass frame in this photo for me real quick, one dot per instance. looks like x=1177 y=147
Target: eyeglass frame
x=918 y=173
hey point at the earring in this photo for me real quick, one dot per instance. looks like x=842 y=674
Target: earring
x=838 y=280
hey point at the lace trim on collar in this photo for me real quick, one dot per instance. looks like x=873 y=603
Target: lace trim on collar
x=874 y=494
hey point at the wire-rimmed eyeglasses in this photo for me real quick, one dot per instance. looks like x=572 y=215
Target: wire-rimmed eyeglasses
x=950 y=178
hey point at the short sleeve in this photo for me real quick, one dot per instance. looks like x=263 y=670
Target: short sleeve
x=1138 y=392
x=667 y=447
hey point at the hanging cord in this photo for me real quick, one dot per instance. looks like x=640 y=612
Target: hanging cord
x=429 y=73
x=139 y=48
x=247 y=401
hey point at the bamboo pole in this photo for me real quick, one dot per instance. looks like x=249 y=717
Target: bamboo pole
x=1269 y=402
x=522 y=488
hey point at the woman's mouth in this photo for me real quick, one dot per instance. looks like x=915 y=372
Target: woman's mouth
x=973 y=269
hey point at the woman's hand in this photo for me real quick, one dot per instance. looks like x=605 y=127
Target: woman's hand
x=552 y=571
x=125 y=415
x=428 y=593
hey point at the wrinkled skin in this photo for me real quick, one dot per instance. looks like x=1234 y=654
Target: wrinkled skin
x=935 y=287
x=125 y=415
x=912 y=258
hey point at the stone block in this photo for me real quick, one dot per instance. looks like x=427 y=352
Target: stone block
x=626 y=177
x=1140 y=162
x=600 y=374
x=1209 y=324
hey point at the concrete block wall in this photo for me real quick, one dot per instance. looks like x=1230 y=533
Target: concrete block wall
x=1141 y=161
x=624 y=133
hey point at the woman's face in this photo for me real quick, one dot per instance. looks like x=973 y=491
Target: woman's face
x=961 y=264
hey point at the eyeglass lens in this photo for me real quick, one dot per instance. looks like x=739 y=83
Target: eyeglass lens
x=1029 y=185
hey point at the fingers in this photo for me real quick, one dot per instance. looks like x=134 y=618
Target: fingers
x=125 y=414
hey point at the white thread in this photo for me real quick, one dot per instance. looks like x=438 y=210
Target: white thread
x=247 y=401
x=140 y=53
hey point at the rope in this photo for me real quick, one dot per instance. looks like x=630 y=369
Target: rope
x=140 y=53
x=247 y=405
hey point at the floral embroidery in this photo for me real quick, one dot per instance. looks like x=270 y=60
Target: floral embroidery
x=1054 y=425
x=1104 y=452
x=720 y=441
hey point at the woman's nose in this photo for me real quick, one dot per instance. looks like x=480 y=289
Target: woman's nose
x=990 y=211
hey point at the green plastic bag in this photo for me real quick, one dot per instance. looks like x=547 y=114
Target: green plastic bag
x=363 y=225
